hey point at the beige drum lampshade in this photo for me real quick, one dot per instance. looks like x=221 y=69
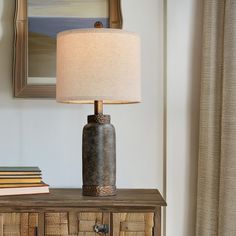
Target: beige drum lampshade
x=98 y=64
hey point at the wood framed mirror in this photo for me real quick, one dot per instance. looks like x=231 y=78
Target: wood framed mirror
x=36 y=24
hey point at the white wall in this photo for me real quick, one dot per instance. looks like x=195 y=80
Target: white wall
x=47 y=134
x=183 y=82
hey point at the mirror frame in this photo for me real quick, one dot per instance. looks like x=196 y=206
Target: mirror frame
x=21 y=89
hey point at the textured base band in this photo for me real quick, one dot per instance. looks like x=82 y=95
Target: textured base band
x=99 y=191
x=99 y=118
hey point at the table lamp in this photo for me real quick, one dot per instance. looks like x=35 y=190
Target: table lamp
x=98 y=66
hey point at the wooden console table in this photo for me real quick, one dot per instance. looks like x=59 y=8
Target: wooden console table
x=132 y=212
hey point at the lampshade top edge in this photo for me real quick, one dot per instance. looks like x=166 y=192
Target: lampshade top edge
x=94 y=30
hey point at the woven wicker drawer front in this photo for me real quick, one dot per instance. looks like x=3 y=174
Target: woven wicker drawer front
x=56 y=224
x=22 y=224
x=133 y=224
x=66 y=212
x=73 y=223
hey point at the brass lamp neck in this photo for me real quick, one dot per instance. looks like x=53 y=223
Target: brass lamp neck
x=98 y=107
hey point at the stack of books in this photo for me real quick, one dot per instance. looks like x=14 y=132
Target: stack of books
x=21 y=180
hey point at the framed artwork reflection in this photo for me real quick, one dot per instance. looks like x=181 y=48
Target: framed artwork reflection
x=37 y=23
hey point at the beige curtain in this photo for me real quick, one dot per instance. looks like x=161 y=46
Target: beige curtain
x=216 y=206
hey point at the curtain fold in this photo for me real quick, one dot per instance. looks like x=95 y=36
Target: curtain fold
x=216 y=201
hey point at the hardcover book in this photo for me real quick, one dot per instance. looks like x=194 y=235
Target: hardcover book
x=14 y=185
x=24 y=190
x=21 y=180
x=22 y=170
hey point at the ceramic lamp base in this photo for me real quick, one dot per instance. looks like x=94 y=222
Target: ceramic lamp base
x=99 y=157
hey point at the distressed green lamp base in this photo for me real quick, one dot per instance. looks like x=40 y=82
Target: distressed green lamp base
x=99 y=157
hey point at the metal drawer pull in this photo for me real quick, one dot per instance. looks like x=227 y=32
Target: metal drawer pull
x=103 y=229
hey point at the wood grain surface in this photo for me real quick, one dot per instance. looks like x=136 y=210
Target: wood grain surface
x=133 y=224
x=132 y=212
x=73 y=198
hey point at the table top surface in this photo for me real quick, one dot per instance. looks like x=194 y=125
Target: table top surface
x=69 y=197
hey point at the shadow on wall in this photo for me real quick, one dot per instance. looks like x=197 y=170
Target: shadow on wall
x=6 y=46
x=194 y=104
